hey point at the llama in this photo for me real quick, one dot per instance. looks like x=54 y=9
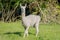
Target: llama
x=30 y=20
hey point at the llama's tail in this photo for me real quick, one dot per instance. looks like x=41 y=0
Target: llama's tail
x=39 y=14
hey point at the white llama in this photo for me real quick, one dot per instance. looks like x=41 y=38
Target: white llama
x=28 y=21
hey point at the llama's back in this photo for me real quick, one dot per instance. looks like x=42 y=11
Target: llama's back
x=33 y=17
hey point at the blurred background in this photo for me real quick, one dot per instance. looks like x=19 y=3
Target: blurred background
x=49 y=10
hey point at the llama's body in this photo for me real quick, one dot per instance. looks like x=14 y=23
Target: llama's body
x=28 y=21
x=31 y=20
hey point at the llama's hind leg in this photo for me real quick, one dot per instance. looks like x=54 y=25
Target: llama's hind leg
x=26 y=31
x=37 y=29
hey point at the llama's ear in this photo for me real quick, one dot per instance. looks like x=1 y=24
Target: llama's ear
x=20 y=4
x=25 y=5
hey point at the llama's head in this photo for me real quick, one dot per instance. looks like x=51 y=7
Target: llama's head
x=23 y=8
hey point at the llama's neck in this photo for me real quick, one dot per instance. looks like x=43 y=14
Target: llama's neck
x=23 y=13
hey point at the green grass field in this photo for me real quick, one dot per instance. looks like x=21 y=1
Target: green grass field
x=15 y=30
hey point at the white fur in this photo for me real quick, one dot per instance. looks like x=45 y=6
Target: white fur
x=29 y=21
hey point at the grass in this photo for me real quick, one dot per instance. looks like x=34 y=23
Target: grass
x=15 y=30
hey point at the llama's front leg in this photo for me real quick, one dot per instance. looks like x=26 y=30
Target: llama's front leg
x=26 y=32
x=37 y=29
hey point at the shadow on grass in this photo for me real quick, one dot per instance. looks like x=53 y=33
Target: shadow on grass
x=21 y=34
x=16 y=33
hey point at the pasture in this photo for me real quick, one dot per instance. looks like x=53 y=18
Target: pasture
x=15 y=31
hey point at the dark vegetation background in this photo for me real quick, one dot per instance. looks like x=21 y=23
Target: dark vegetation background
x=49 y=10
